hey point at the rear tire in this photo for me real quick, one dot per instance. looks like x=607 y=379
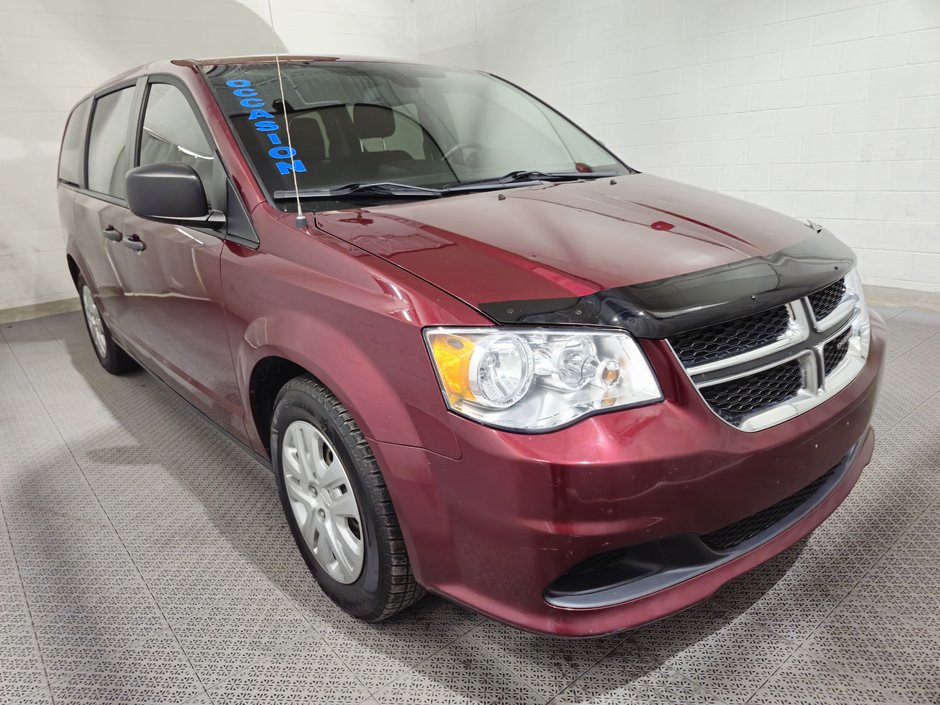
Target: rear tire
x=338 y=502
x=111 y=356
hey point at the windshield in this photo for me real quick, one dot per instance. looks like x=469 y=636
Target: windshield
x=369 y=122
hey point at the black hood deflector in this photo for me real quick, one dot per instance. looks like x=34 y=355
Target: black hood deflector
x=661 y=308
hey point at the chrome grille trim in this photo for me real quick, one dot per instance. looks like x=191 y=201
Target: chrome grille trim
x=824 y=301
x=701 y=346
x=805 y=340
x=845 y=308
x=797 y=331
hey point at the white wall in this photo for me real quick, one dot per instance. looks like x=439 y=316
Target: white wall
x=821 y=108
x=827 y=109
x=54 y=51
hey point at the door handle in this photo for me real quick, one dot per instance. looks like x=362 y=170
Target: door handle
x=135 y=243
x=113 y=234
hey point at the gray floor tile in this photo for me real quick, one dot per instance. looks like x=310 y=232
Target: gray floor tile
x=791 y=609
x=23 y=675
x=305 y=671
x=463 y=672
x=728 y=660
x=630 y=675
x=885 y=312
x=221 y=644
x=184 y=585
x=380 y=653
x=908 y=329
x=547 y=665
x=806 y=680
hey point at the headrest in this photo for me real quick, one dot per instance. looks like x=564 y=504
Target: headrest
x=307 y=137
x=373 y=120
x=282 y=106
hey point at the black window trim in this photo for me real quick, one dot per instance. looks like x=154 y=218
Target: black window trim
x=95 y=97
x=82 y=135
x=141 y=84
x=170 y=80
x=203 y=72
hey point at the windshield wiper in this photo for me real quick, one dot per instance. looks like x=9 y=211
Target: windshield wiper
x=391 y=188
x=521 y=176
x=378 y=188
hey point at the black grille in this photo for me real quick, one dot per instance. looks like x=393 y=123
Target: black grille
x=835 y=351
x=742 y=397
x=749 y=527
x=696 y=347
x=825 y=300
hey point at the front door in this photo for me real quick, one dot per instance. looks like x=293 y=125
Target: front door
x=172 y=273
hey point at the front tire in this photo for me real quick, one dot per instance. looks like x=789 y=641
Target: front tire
x=337 y=504
x=111 y=356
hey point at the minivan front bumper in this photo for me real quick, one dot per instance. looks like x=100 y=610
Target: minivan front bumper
x=597 y=527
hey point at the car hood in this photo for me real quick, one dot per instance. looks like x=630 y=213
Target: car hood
x=563 y=241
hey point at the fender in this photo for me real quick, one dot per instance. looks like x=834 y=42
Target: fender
x=71 y=250
x=387 y=407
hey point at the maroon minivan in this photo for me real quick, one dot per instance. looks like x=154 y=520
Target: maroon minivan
x=485 y=357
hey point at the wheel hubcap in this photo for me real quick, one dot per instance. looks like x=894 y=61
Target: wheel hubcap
x=95 y=324
x=322 y=500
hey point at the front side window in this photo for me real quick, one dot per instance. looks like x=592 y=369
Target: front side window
x=107 y=148
x=70 y=157
x=369 y=122
x=172 y=133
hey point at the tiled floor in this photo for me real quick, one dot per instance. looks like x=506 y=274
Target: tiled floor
x=144 y=558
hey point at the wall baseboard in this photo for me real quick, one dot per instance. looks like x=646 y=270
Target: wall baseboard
x=891 y=297
x=49 y=308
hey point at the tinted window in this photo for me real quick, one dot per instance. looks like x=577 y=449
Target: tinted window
x=70 y=158
x=171 y=132
x=107 y=151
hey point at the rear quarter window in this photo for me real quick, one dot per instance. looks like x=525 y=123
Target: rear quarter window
x=70 y=156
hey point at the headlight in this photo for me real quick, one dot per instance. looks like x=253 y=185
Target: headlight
x=861 y=323
x=535 y=379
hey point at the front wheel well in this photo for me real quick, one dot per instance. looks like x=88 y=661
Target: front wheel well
x=267 y=379
x=73 y=269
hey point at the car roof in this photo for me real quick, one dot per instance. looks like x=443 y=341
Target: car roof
x=271 y=58
x=174 y=65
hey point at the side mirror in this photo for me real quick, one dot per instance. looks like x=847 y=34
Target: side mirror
x=172 y=193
